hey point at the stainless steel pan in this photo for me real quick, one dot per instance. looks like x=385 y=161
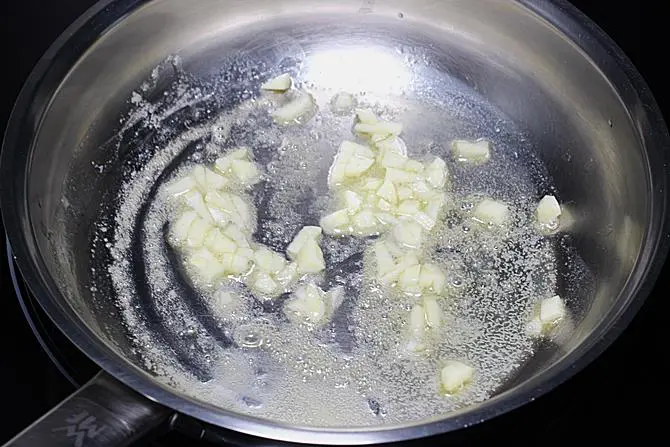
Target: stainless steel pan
x=538 y=72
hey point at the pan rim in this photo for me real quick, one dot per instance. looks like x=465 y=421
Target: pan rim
x=560 y=14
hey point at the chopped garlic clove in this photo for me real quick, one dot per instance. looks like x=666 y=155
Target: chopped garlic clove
x=352 y=160
x=400 y=176
x=357 y=165
x=235 y=233
x=240 y=264
x=214 y=180
x=381 y=128
x=342 y=103
x=405 y=193
x=195 y=201
x=409 y=208
x=269 y=261
x=305 y=249
x=371 y=184
x=393 y=153
x=198 y=173
x=206 y=265
x=422 y=190
x=416 y=328
x=409 y=279
x=223 y=164
x=407 y=261
x=417 y=319
x=243 y=210
x=287 y=275
x=366 y=116
x=306 y=305
x=388 y=192
x=432 y=278
x=390 y=159
x=336 y=173
x=264 y=284
x=197 y=233
x=408 y=234
x=375 y=138
x=336 y=296
x=310 y=257
x=548 y=211
x=352 y=201
x=181 y=186
x=454 y=376
x=280 y=83
x=491 y=212
x=434 y=206
x=364 y=221
x=246 y=252
x=240 y=215
x=386 y=218
x=552 y=310
x=305 y=234
x=399 y=252
x=218 y=243
x=436 y=173
x=245 y=171
x=384 y=259
x=221 y=218
x=385 y=206
x=221 y=201
x=371 y=198
x=424 y=220
x=432 y=312
x=232 y=206
x=208 y=179
x=300 y=108
x=179 y=228
x=393 y=144
x=333 y=223
x=548 y=313
x=476 y=152
x=414 y=166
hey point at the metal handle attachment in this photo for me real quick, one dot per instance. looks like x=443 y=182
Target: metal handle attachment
x=102 y=413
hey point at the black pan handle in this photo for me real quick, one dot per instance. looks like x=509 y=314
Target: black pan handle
x=102 y=413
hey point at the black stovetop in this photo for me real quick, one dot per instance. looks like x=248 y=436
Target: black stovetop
x=616 y=394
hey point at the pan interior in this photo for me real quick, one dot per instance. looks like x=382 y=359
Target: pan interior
x=462 y=73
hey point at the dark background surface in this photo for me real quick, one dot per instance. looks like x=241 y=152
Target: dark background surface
x=622 y=392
